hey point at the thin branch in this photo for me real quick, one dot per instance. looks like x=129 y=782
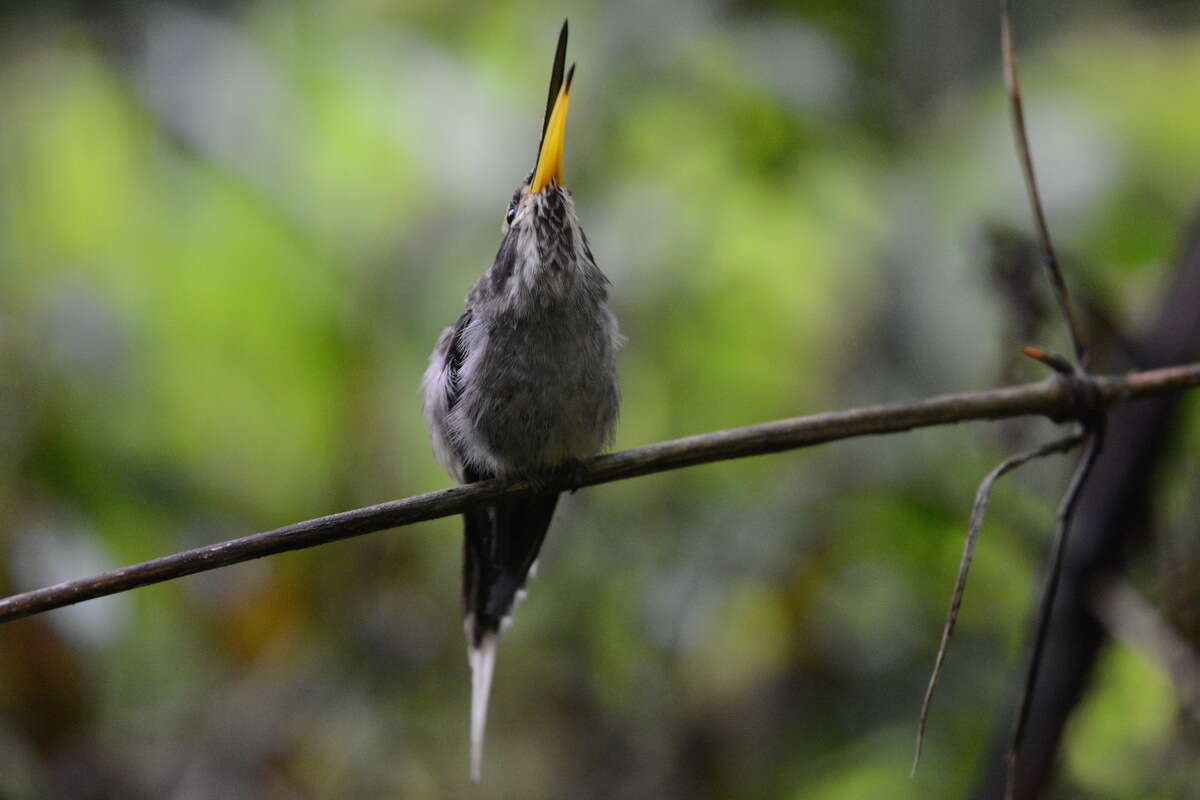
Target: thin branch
x=1012 y=84
x=1066 y=511
x=1052 y=397
x=1064 y=445
x=1130 y=618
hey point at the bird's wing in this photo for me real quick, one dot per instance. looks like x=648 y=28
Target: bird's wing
x=441 y=388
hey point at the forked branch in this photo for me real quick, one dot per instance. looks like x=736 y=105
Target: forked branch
x=1092 y=424
x=1091 y=429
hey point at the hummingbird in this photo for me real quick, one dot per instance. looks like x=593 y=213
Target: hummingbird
x=523 y=384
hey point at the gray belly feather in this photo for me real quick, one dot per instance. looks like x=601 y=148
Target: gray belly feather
x=537 y=390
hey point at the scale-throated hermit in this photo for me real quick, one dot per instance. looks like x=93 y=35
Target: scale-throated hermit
x=522 y=384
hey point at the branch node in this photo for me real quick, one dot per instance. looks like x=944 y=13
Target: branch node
x=1084 y=392
x=1086 y=400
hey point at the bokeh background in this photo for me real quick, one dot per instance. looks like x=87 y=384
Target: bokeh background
x=231 y=232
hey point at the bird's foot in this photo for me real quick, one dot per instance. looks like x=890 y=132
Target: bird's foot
x=571 y=474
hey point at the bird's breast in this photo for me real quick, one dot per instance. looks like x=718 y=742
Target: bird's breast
x=539 y=387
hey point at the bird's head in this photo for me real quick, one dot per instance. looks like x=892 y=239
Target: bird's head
x=541 y=200
x=544 y=252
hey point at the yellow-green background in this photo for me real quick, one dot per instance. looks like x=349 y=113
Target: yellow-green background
x=230 y=234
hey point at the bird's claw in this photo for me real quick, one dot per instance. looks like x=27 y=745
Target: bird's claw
x=572 y=475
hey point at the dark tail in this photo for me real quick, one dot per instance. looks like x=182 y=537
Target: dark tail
x=500 y=544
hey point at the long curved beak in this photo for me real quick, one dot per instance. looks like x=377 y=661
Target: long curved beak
x=550 y=155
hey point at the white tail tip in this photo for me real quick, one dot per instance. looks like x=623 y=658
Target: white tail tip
x=483 y=663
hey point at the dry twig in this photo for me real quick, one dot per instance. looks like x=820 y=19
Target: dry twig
x=1012 y=84
x=982 y=496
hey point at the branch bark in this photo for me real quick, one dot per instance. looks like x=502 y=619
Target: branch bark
x=1052 y=397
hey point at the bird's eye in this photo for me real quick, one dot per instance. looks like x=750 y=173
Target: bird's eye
x=511 y=213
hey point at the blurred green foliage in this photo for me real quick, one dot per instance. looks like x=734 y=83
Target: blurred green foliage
x=230 y=234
